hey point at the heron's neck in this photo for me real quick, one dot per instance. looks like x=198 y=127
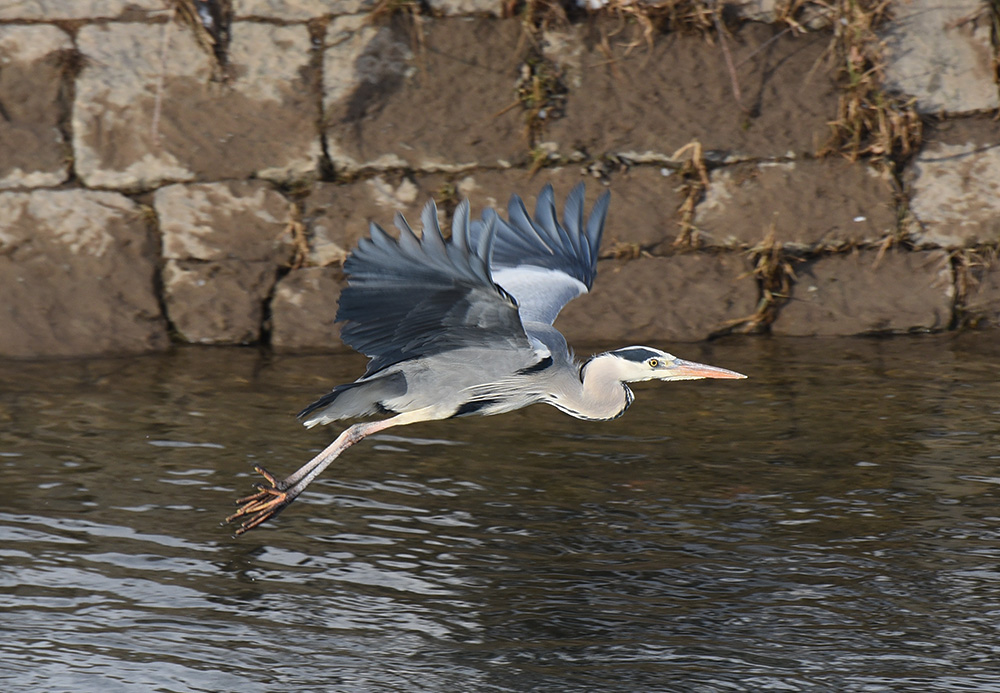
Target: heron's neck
x=600 y=394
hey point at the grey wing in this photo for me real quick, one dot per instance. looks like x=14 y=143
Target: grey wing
x=544 y=264
x=418 y=297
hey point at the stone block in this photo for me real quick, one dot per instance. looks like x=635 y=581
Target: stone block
x=336 y=217
x=299 y=10
x=53 y=10
x=77 y=276
x=858 y=293
x=443 y=107
x=644 y=201
x=814 y=16
x=652 y=300
x=244 y=220
x=449 y=8
x=941 y=53
x=261 y=123
x=223 y=243
x=33 y=151
x=981 y=304
x=643 y=103
x=304 y=309
x=811 y=204
x=954 y=186
x=217 y=302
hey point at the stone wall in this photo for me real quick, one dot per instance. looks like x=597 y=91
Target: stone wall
x=164 y=181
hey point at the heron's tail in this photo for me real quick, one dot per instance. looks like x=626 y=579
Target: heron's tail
x=360 y=398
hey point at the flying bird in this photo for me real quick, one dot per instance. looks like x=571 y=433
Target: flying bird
x=465 y=326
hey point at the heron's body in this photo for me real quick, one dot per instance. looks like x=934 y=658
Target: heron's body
x=505 y=382
x=464 y=327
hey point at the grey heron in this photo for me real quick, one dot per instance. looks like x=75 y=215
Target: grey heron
x=465 y=326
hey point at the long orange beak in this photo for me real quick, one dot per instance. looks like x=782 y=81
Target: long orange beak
x=689 y=370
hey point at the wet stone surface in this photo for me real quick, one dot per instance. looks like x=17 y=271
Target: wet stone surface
x=50 y=10
x=981 y=305
x=955 y=186
x=336 y=217
x=464 y=82
x=244 y=220
x=217 y=302
x=861 y=292
x=644 y=202
x=299 y=10
x=941 y=53
x=77 y=275
x=326 y=118
x=811 y=204
x=33 y=151
x=260 y=123
x=223 y=244
x=617 y=105
x=682 y=298
x=304 y=309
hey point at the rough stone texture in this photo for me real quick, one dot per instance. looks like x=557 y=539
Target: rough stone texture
x=855 y=294
x=436 y=109
x=51 y=10
x=299 y=10
x=812 y=16
x=304 y=309
x=681 y=299
x=217 y=302
x=261 y=123
x=812 y=204
x=644 y=201
x=33 y=152
x=338 y=216
x=448 y=8
x=76 y=276
x=245 y=220
x=955 y=186
x=645 y=103
x=981 y=307
x=494 y=188
x=431 y=106
x=757 y=10
x=941 y=53
x=223 y=243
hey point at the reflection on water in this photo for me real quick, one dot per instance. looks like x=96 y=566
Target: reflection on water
x=829 y=524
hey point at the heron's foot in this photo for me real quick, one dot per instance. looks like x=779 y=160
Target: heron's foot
x=260 y=507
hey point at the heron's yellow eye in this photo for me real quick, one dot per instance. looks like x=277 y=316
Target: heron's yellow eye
x=653 y=363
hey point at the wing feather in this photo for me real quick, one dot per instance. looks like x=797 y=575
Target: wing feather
x=544 y=264
x=421 y=296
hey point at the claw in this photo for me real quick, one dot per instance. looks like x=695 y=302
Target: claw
x=263 y=505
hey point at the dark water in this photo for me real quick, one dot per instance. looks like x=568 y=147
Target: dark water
x=832 y=523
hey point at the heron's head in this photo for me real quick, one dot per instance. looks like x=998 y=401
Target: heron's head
x=638 y=363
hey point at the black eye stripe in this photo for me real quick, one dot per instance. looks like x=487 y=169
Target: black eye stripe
x=637 y=354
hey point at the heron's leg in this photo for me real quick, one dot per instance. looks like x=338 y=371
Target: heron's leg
x=270 y=500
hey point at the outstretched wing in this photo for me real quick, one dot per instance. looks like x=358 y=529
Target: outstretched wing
x=417 y=297
x=544 y=264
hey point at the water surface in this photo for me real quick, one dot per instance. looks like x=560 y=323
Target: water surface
x=832 y=523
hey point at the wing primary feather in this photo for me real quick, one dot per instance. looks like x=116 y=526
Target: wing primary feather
x=545 y=218
x=460 y=226
x=432 y=237
x=595 y=224
x=408 y=241
x=573 y=220
x=541 y=262
x=546 y=213
x=520 y=220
